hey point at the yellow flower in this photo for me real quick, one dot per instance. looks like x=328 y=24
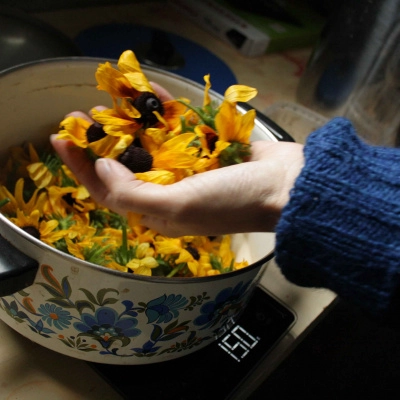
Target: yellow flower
x=173 y=161
x=144 y=234
x=111 y=146
x=211 y=148
x=64 y=200
x=81 y=231
x=118 y=120
x=166 y=245
x=204 y=264
x=75 y=129
x=46 y=231
x=207 y=98
x=240 y=265
x=15 y=167
x=232 y=126
x=176 y=246
x=135 y=102
x=114 y=265
x=122 y=120
x=161 y=177
x=142 y=266
x=225 y=252
x=17 y=201
x=76 y=248
x=144 y=261
x=89 y=249
x=40 y=174
x=172 y=113
x=213 y=272
x=176 y=153
x=126 y=82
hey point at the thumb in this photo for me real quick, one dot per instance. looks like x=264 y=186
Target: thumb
x=117 y=183
x=121 y=191
x=109 y=171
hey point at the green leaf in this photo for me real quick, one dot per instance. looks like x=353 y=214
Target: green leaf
x=101 y=294
x=87 y=349
x=235 y=153
x=4 y=202
x=89 y=295
x=51 y=290
x=80 y=305
x=61 y=302
x=109 y=301
x=156 y=334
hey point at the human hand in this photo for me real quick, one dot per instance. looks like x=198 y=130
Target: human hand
x=246 y=197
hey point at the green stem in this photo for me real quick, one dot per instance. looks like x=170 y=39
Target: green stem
x=176 y=270
x=4 y=202
x=205 y=119
x=191 y=108
x=124 y=243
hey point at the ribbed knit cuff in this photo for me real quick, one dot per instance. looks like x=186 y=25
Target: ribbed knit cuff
x=341 y=227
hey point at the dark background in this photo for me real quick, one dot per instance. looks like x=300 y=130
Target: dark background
x=324 y=7
x=346 y=356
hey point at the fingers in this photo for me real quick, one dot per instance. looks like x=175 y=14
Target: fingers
x=86 y=116
x=162 y=93
x=78 y=162
x=123 y=192
x=80 y=114
x=118 y=186
x=98 y=109
x=109 y=182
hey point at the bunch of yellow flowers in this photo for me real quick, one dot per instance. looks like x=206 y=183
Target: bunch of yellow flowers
x=160 y=142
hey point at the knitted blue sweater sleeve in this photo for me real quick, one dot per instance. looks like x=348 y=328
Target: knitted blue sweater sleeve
x=341 y=227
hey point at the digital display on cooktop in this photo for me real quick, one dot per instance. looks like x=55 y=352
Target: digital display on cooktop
x=214 y=371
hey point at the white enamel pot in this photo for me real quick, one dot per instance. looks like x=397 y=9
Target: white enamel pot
x=90 y=312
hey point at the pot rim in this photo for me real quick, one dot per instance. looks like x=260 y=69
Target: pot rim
x=154 y=279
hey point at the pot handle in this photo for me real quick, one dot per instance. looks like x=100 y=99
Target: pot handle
x=17 y=270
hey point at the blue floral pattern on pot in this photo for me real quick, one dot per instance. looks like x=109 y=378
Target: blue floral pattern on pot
x=105 y=323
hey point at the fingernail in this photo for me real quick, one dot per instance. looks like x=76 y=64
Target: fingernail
x=103 y=166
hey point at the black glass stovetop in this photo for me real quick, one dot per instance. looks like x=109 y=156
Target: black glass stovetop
x=214 y=372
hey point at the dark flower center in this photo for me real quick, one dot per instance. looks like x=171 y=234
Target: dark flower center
x=137 y=142
x=69 y=199
x=32 y=231
x=194 y=252
x=95 y=132
x=211 y=139
x=146 y=103
x=136 y=159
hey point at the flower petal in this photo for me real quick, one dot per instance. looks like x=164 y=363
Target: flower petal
x=112 y=81
x=162 y=177
x=242 y=93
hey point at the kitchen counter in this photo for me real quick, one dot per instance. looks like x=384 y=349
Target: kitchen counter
x=29 y=371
